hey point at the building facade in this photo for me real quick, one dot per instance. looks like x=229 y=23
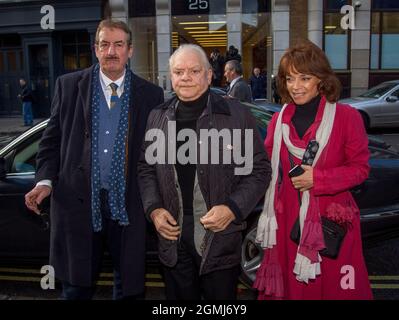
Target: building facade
x=361 y=38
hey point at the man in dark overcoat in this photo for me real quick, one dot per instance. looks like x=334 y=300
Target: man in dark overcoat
x=87 y=161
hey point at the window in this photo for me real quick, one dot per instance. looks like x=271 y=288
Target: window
x=76 y=50
x=336 y=42
x=255 y=6
x=24 y=160
x=378 y=91
x=256 y=40
x=384 y=4
x=384 y=37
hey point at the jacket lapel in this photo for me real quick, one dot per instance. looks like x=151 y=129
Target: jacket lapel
x=136 y=96
x=84 y=95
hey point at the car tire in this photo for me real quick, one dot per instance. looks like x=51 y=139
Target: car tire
x=366 y=120
x=251 y=255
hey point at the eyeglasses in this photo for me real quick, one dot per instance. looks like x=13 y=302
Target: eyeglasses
x=104 y=45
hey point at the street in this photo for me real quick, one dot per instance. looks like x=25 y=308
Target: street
x=23 y=283
x=19 y=282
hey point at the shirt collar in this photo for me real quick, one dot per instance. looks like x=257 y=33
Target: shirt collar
x=107 y=81
x=234 y=81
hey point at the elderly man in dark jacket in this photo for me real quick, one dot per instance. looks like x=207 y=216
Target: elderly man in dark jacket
x=87 y=160
x=199 y=195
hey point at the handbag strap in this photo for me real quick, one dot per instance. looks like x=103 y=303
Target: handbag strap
x=290 y=157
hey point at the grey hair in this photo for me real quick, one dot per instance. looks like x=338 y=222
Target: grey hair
x=235 y=65
x=193 y=48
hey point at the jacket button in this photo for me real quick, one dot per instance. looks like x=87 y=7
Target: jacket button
x=201 y=171
x=86 y=134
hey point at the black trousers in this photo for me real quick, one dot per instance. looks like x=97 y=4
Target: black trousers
x=108 y=238
x=183 y=281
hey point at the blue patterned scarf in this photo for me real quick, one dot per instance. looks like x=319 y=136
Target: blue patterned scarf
x=117 y=183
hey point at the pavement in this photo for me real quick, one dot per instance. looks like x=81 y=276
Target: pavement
x=13 y=125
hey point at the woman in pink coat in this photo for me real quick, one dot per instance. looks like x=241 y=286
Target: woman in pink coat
x=320 y=191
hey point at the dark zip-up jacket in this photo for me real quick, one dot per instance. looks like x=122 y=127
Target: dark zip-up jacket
x=218 y=182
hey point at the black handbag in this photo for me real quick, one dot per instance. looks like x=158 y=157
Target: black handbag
x=333 y=234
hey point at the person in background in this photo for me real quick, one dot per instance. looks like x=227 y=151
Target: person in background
x=293 y=266
x=276 y=97
x=232 y=54
x=87 y=161
x=238 y=87
x=217 y=62
x=257 y=82
x=27 y=99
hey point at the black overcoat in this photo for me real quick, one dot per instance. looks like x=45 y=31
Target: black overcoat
x=64 y=157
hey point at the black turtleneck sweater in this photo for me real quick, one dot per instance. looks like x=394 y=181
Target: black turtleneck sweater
x=305 y=115
x=187 y=115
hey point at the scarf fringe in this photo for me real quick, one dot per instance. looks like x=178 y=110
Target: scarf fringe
x=312 y=241
x=266 y=231
x=269 y=278
x=305 y=270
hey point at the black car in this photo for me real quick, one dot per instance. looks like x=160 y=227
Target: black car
x=24 y=236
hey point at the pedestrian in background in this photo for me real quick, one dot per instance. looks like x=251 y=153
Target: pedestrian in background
x=27 y=99
x=257 y=82
x=232 y=54
x=276 y=97
x=238 y=88
x=217 y=62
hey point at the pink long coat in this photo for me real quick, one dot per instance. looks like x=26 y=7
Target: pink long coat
x=343 y=164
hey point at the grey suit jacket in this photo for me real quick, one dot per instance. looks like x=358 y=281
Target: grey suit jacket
x=241 y=91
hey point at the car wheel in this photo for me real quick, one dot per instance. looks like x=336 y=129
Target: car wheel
x=366 y=120
x=251 y=256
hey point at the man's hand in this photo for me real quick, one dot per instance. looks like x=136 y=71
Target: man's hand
x=218 y=218
x=35 y=197
x=305 y=180
x=165 y=224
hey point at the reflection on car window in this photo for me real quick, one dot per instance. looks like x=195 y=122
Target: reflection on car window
x=376 y=153
x=262 y=119
x=378 y=91
x=24 y=160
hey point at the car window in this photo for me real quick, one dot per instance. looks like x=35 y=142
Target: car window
x=378 y=91
x=395 y=93
x=25 y=158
